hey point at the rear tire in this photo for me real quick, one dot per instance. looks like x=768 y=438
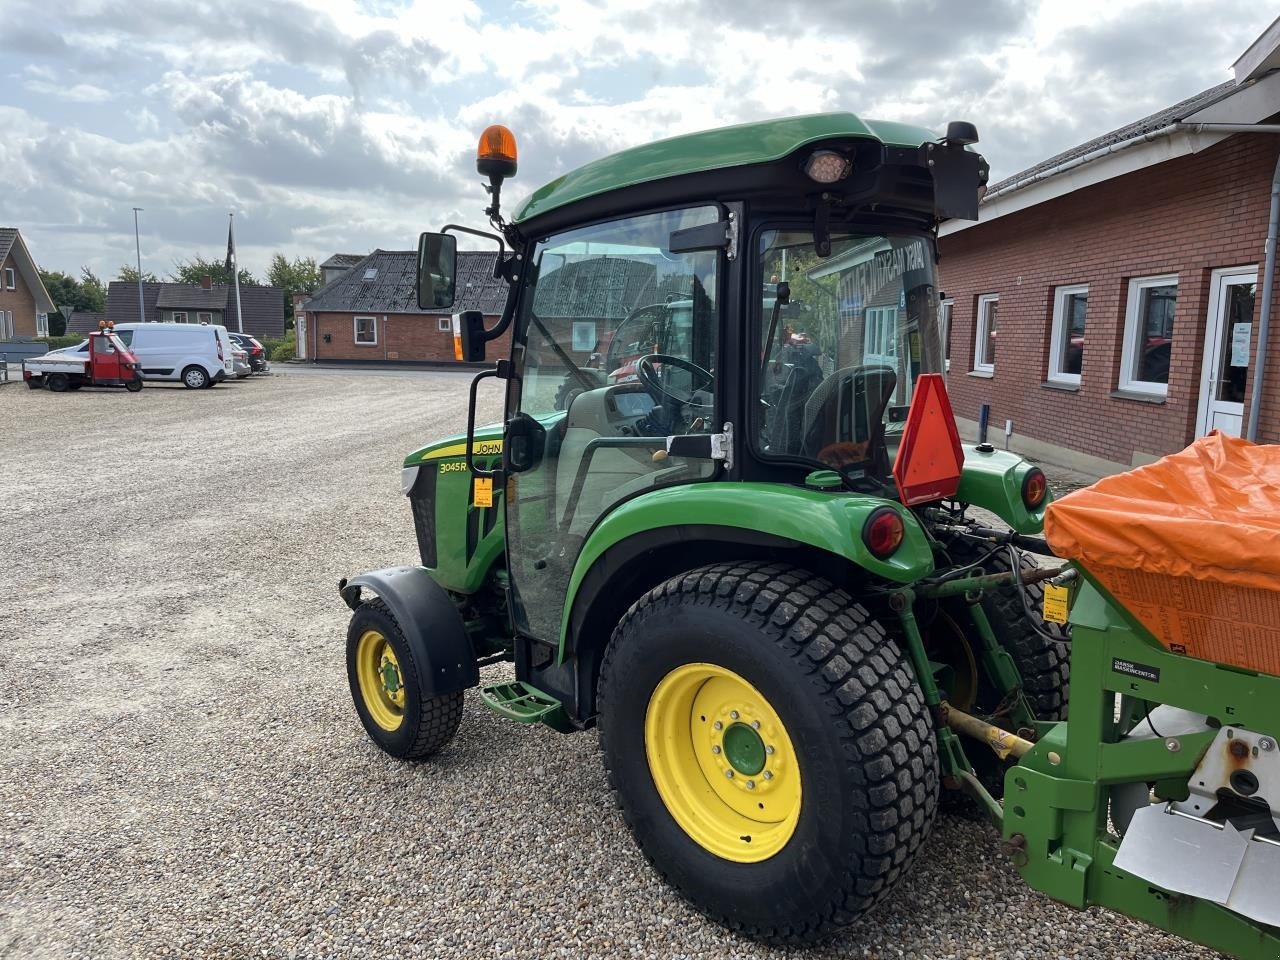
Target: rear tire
x=387 y=691
x=195 y=378
x=1045 y=665
x=830 y=689
x=57 y=382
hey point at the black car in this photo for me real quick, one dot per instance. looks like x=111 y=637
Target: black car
x=250 y=345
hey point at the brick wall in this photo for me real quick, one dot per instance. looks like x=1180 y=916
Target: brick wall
x=401 y=337
x=1187 y=216
x=20 y=300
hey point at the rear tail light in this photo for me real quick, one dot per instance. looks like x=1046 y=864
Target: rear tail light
x=220 y=356
x=1035 y=488
x=883 y=532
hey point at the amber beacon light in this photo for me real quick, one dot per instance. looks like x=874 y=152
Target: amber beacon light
x=496 y=154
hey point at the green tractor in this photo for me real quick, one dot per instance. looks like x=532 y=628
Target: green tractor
x=728 y=521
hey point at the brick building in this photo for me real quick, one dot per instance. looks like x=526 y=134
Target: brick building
x=25 y=304
x=1108 y=300
x=370 y=311
x=204 y=302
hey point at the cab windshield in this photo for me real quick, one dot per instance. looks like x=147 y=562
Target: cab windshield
x=842 y=340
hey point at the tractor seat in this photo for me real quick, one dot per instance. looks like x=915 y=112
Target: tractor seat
x=844 y=417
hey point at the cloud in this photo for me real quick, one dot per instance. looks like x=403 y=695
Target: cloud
x=350 y=124
x=77 y=93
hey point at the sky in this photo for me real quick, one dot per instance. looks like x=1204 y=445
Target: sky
x=345 y=125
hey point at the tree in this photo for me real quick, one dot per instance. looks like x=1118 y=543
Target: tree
x=299 y=276
x=195 y=269
x=130 y=275
x=65 y=290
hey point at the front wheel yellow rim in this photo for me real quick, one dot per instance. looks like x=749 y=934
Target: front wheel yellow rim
x=381 y=683
x=722 y=762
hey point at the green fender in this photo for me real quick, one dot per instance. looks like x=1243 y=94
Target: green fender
x=829 y=521
x=993 y=481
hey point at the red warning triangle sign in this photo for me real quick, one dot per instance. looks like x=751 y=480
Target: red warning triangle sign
x=930 y=458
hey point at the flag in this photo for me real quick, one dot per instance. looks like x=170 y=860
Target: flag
x=231 y=248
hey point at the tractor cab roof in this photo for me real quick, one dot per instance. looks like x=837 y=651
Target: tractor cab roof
x=723 y=149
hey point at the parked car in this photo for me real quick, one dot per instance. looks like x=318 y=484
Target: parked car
x=199 y=355
x=252 y=346
x=240 y=363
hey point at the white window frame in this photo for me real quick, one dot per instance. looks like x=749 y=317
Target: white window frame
x=185 y=315
x=10 y=279
x=1132 y=331
x=946 y=309
x=879 y=343
x=980 y=333
x=373 y=328
x=1058 y=332
x=42 y=324
x=444 y=324
x=204 y=316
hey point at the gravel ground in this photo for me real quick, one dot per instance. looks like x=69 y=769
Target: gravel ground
x=182 y=773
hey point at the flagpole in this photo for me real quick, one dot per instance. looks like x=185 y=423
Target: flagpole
x=235 y=273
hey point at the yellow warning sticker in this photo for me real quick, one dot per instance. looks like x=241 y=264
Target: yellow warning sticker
x=482 y=492
x=1055 y=603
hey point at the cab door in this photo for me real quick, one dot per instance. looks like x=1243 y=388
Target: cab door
x=578 y=441
x=104 y=359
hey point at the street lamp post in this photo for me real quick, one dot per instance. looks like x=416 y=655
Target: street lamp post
x=137 y=245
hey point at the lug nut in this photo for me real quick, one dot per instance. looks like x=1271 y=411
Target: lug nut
x=715 y=750
x=755 y=724
x=729 y=774
x=768 y=750
x=1266 y=744
x=768 y=774
x=718 y=725
x=733 y=714
x=751 y=784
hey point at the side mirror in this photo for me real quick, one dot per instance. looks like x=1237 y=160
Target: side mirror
x=472 y=334
x=524 y=442
x=437 y=270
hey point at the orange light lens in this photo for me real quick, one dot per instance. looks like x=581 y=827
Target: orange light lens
x=497 y=143
x=1034 y=489
x=883 y=532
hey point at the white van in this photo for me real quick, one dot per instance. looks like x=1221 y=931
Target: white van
x=199 y=355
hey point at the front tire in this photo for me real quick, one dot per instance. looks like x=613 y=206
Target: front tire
x=134 y=385
x=811 y=799
x=387 y=691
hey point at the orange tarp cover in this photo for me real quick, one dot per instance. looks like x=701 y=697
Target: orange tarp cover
x=1190 y=545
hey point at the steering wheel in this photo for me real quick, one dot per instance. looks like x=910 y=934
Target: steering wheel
x=650 y=379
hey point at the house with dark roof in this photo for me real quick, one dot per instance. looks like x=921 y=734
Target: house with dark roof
x=204 y=302
x=370 y=311
x=337 y=265
x=25 y=304
x=1108 y=300
x=84 y=321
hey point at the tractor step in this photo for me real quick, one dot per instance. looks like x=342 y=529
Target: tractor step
x=520 y=702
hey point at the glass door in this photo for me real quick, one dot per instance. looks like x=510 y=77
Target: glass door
x=616 y=349
x=1228 y=334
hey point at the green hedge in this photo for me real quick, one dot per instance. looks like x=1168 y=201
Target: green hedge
x=277 y=350
x=57 y=343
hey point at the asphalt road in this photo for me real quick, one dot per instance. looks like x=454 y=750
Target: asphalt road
x=181 y=770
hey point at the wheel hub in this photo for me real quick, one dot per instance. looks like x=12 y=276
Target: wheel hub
x=744 y=749
x=723 y=762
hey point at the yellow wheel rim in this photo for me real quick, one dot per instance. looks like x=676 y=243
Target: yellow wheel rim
x=381 y=683
x=722 y=762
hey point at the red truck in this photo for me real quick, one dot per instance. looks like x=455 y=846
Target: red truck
x=108 y=364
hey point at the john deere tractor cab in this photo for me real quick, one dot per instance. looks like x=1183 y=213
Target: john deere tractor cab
x=727 y=519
